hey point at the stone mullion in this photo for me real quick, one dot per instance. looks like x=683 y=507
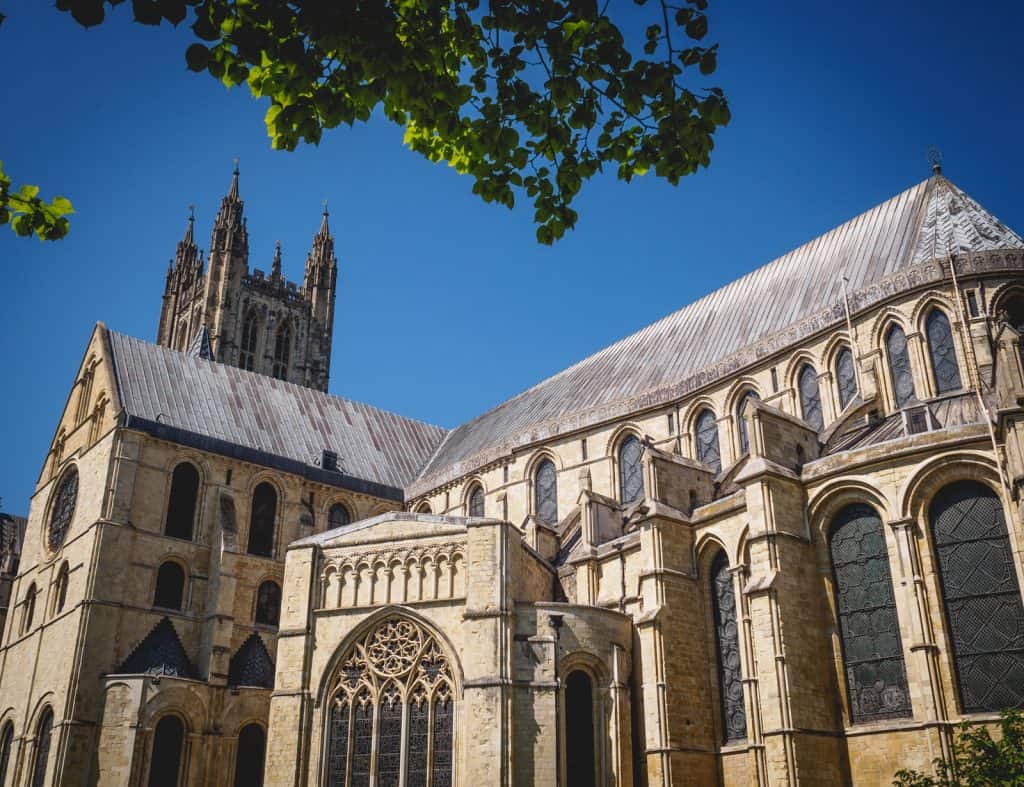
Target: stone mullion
x=748 y=666
x=920 y=366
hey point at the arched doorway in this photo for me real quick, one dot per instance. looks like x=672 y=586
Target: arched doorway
x=580 y=760
x=165 y=761
x=249 y=756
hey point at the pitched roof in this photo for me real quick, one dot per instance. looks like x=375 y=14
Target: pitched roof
x=913 y=227
x=223 y=409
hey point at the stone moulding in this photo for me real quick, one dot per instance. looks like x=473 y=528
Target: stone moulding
x=900 y=283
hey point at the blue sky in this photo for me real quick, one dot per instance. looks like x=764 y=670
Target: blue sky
x=447 y=306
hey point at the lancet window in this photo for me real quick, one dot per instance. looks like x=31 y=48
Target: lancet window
x=741 y=422
x=261 y=521
x=475 y=506
x=727 y=641
x=706 y=428
x=181 y=505
x=250 y=333
x=846 y=377
x=282 y=352
x=899 y=366
x=545 y=492
x=945 y=369
x=810 y=397
x=44 y=731
x=631 y=476
x=392 y=711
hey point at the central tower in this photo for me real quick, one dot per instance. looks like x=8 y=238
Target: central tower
x=258 y=322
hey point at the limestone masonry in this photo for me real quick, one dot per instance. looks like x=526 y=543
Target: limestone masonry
x=774 y=538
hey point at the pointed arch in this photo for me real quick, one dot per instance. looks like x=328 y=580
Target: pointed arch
x=843 y=366
x=901 y=375
x=942 y=352
x=705 y=438
x=262 y=520
x=250 y=339
x=41 y=755
x=545 y=491
x=282 y=351
x=732 y=704
x=810 y=396
x=631 y=472
x=474 y=501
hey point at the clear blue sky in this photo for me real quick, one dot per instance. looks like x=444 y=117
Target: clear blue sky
x=448 y=306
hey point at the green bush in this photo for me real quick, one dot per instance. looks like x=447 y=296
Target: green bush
x=978 y=760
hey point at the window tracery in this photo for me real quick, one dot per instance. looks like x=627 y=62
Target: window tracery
x=475 y=506
x=545 y=492
x=810 y=397
x=398 y=673
x=706 y=430
x=631 y=476
x=941 y=349
x=250 y=332
x=730 y=676
x=741 y=422
x=282 y=352
x=899 y=366
x=846 y=377
x=63 y=508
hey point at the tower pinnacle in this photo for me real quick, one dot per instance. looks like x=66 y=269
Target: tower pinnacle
x=275 y=266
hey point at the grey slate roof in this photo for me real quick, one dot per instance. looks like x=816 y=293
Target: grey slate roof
x=180 y=397
x=911 y=228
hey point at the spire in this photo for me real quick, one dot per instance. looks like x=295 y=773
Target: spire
x=191 y=222
x=275 y=266
x=325 y=230
x=229 y=227
x=233 y=193
x=187 y=263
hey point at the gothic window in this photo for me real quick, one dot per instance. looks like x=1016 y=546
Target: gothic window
x=475 y=505
x=706 y=435
x=631 y=476
x=165 y=761
x=945 y=369
x=869 y=630
x=810 y=397
x=181 y=506
x=42 y=754
x=63 y=508
x=741 y=422
x=268 y=603
x=397 y=675
x=727 y=641
x=60 y=594
x=545 y=492
x=899 y=366
x=846 y=377
x=251 y=665
x=580 y=759
x=261 y=521
x=250 y=333
x=170 y=586
x=30 y=607
x=6 y=741
x=338 y=516
x=282 y=351
x=984 y=612
x=249 y=756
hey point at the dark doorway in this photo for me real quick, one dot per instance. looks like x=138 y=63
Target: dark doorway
x=166 y=760
x=249 y=758
x=580 y=764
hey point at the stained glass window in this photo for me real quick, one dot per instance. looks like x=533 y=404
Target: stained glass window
x=741 y=422
x=631 y=475
x=899 y=366
x=706 y=429
x=42 y=754
x=846 y=377
x=63 y=508
x=397 y=672
x=61 y=593
x=170 y=586
x=181 y=505
x=476 y=501
x=545 y=492
x=261 y=521
x=945 y=369
x=250 y=332
x=730 y=677
x=338 y=516
x=982 y=598
x=810 y=397
x=282 y=352
x=876 y=676
x=268 y=603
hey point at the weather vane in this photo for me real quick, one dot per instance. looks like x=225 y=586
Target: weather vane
x=935 y=159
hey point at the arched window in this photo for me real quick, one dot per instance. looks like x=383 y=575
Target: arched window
x=338 y=516
x=984 y=612
x=268 y=603
x=170 y=586
x=41 y=757
x=261 y=521
x=63 y=508
x=60 y=594
x=250 y=333
x=846 y=377
x=475 y=504
x=6 y=741
x=945 y=369
x=282 y=351
x=545 y=492
x=423 y=508
x=165 y=761
x=741 y=422
x=727 y=642
x=899 y=366
x=398 y=673
x=181 y=505
x=706 y=436
x=631 y=474
x=869 y=630
x=249 y=756
x=30 y=607
x=810 y=397
x=580 y=759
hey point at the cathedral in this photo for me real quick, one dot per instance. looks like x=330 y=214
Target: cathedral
x=774 y=538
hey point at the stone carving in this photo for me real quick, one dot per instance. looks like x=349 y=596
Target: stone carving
x=403 y=576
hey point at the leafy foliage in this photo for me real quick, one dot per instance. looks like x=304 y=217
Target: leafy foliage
x=978 y=760
x=27 y=213
x=527 y=97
